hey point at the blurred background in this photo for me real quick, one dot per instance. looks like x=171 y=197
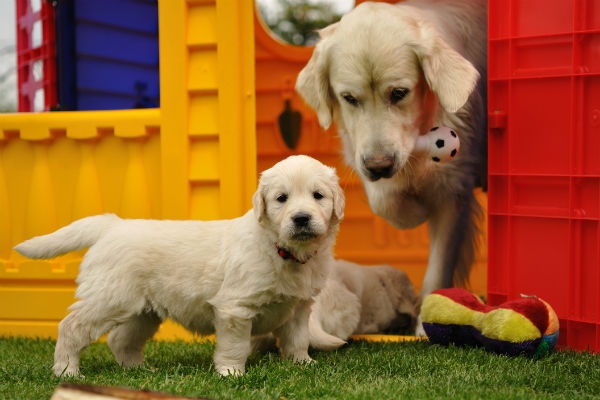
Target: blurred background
x=8 y=57
x=296 y=21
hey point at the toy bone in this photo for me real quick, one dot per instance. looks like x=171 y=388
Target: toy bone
x=440 y=144
x=527 y=325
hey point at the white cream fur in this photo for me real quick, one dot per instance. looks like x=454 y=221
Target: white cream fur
x=210 y=276
x=437 y=50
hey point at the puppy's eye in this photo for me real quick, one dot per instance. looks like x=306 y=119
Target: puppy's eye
x=398 y=94
x=317 y=195
x=282 y=198
x=350 y=99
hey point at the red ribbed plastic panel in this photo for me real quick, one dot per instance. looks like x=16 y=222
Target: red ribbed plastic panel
x=544 y=159
x=36 y=55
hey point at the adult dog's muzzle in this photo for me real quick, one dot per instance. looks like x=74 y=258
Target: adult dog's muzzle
x=378 y=166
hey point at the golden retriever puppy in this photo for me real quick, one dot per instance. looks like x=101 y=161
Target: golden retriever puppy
x=362 y=299
x=250 y=275
x=387 y=74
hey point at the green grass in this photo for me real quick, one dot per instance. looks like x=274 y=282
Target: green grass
x=358 y=371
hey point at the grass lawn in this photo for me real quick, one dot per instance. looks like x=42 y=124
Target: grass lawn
x=360 y=370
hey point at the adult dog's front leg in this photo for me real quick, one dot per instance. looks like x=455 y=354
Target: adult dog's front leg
x=233 y=343
x=293 y=337
x=452 y=235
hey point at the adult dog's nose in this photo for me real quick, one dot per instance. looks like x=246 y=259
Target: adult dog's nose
x=301 y=220
x=380 y=166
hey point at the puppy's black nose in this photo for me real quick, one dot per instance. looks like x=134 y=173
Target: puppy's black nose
x=301 y=220
x=380 y=165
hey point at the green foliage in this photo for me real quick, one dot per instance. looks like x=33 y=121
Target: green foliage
x=298 y=21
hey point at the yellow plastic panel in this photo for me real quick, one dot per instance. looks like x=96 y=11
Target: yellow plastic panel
x=59 y=269
x=55 y=169
x=204 y=160
x=237 y=113
x=170 y=330
x=36 y=302
x=195 y=157
x=19 y=327
x=204 y=115
x=174 y=108
x=203 y=71
x=202 y=24
x=205 y=200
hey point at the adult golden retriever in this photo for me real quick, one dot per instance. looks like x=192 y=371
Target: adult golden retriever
x=389 y=73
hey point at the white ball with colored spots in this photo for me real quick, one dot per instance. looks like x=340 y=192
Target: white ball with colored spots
x=440 y=144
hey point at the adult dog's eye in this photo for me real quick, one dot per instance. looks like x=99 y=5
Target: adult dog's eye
x=317 y=195
x=282 y=198
x=350 y=99
x=398 y=94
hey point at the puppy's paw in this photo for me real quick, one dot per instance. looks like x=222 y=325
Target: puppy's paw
x=303 y=359
x=150 y=367
x=419 y=331
x=131 y=361
x=147 y=367
x=230 y=371
x=67 y=372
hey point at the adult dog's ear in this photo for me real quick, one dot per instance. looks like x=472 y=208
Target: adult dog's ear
x=313 y=81
x=339 y=199
x=449 y=75
x=258 y=203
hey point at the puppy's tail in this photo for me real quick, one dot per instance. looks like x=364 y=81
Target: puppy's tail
x=319 y=339
x=78 y=235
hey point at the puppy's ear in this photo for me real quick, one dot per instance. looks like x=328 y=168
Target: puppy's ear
x=313 y=81
x=449 y=75
x=258 y=203
x=339 y=200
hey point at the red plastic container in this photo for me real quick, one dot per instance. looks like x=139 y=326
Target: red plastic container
x=36 y=62
x=544 y=159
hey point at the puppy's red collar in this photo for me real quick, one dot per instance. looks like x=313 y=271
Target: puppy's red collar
x=287 y=255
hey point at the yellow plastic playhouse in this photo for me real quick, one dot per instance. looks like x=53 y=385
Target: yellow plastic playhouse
x=224 y=81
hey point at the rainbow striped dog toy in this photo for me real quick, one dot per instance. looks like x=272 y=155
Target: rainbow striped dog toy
x=524 y=326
